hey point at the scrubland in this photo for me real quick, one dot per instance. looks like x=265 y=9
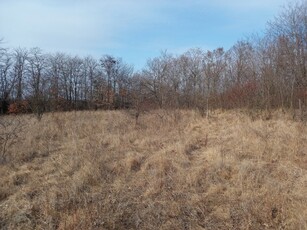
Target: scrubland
x=168 y=170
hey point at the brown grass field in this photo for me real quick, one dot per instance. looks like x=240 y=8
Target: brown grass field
x=171 y=170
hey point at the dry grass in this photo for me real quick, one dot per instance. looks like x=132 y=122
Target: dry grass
x=173 y=170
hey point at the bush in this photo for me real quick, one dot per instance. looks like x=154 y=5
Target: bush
x=19 y=107
x=10 y=130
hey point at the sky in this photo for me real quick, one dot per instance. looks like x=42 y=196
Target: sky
x=134 y=30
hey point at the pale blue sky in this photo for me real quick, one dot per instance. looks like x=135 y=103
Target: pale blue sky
x=132 y=29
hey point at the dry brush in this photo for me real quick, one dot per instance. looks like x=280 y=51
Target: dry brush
x=170 y=170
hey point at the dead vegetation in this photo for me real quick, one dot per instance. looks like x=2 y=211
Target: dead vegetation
x=10 y=132
x=170 y=170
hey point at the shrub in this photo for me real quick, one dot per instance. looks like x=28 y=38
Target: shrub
x=10 y=130
x=18 y=107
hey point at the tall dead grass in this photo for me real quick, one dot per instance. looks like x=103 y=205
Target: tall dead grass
x=171 y=170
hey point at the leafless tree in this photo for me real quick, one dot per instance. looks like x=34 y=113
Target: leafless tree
x=19 y=58
x=7 y=81
x=37 y=80
x=288 y=33
x=108 y=64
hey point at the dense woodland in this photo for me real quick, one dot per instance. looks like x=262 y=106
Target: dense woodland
x=263 y=71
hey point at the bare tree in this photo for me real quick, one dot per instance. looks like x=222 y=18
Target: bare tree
x=19 y=58
x=108 y=64
x=117 y=73
x=36 y=68
x=7 y=80
x=214 y=68
x=288 y=32
x=123 y=74
x=90 y=74
x=156 y=74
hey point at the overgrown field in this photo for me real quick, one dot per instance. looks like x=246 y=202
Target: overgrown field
x=171 y=170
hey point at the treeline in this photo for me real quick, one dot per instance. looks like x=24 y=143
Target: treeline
x=265 y=72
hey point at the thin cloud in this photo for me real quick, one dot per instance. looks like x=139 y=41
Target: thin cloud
x=130 y=28
x=243 y=5
x=72 y=24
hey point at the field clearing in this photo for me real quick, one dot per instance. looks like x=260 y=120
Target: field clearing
x=170 y=170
